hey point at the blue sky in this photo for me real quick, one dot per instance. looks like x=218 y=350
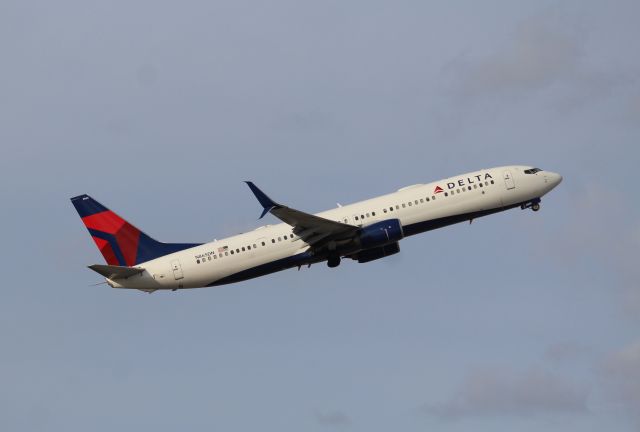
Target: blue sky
x=161 y=109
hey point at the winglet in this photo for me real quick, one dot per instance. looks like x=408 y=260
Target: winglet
x=266 y=202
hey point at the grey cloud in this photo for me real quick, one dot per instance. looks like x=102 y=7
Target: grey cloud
x=620 y=372
x=615 y=248
x=561 y=352
x=494 y=392
x=633 y=108
x=333 y=419
x=539 y=54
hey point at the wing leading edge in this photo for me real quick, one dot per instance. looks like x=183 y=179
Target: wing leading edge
x=313 y=230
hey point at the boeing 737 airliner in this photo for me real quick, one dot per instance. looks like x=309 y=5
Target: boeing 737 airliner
x=364 y=231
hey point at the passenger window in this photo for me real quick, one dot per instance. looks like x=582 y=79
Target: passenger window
x=356 y=217
x=285 y=237
x=209 y=258
x=373 y=213
x=361 y=216
x=427 y=199
x=231 y=251
x=243 y=249
x=238 y=250
x=263 y=244
x=384 y=210
x=254 y=246
x=227 y=253
x=416 y=202
x=492 y=182
x=409 y=203
x=475 y=186
x=403 y=205
x=367 y=214
x=486 y=183
x=469 y=187
x=421 y=200
x=446 y=194
x=458 y=191
x=273 y=240
x=480 y=185
x=249 y=247
x=197 y=261
x=215 y=257
x=433 y=198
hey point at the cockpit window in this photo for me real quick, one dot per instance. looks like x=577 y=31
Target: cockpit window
x=532 y=170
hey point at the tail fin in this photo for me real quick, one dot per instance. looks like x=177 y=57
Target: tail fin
x=120 y=243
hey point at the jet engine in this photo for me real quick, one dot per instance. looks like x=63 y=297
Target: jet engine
x=380 y=234
x=377 y=253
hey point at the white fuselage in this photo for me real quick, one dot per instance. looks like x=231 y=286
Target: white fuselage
x=271 y=248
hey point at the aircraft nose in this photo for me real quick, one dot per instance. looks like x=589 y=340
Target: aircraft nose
x=553 y=178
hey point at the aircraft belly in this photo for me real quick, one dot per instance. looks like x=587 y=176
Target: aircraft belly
x=268 y=267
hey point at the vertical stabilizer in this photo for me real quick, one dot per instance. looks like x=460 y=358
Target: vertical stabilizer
x=120 y=243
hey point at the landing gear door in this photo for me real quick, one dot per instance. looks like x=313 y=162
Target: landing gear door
x=177 y=269
x=508 y=180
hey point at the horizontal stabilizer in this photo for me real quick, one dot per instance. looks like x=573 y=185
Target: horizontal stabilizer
x=115 y=272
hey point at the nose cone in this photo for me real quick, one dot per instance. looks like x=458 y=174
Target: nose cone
x=553 y=179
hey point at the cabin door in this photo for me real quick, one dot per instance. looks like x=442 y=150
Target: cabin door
x=508 y=180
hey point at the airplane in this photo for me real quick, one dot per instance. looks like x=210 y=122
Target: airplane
x=364 y=231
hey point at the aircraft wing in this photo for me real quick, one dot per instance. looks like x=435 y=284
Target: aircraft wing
x=312 y=229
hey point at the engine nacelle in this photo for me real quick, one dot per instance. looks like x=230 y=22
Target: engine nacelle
x=380 y=234
x=377 y=253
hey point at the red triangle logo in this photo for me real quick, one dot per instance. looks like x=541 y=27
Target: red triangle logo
x=438 y=189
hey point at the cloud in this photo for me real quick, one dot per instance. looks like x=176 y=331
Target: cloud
x=561 y=352
x=538 y=54
x=497 y=392
x=615 y=248
x=333 y=419
x=620 y=373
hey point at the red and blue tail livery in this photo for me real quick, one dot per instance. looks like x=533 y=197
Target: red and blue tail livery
x=120 y=243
